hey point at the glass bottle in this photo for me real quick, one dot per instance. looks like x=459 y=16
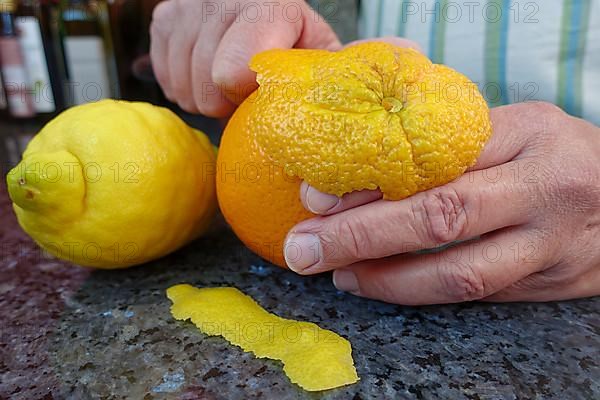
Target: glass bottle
x=3 y=103
x=14 y=73
x=40 y=58
x=89 y=55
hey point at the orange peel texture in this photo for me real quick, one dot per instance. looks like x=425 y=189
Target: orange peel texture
x=372 y=116
x=313 y=358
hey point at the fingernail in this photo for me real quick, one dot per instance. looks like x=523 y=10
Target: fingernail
x=318 y=202
x=301 y=251
x=345 y=280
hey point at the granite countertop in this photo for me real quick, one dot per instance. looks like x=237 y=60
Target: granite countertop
x=74 y=333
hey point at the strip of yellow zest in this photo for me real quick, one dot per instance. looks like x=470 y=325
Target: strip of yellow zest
x=314 y=358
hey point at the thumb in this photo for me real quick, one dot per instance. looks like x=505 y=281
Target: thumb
x=245 y=38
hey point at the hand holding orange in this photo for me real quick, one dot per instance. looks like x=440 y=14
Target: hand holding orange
x=372 y=116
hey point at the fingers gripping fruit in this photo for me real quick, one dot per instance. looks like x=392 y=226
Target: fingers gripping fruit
x=372 y=116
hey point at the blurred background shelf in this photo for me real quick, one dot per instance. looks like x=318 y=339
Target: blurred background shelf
x=58 y=53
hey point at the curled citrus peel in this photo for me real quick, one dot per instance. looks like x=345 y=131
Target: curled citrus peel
x=314 y=358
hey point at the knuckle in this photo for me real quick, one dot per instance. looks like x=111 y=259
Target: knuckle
x=543 y=119
x=163 y=80
x=579 y=198
x=461 y=282
x=549 y=116
x=180 y=86
x=187 y=106
x=207 y=109
x=559 y=276
x=216 y=108
x=351 y=236
x=546 y=109
x=571 y=179
x=563 y=274
x=440 y=216
x=230 y=59
x=581 y=184
x=576 y=187
x=163 y=13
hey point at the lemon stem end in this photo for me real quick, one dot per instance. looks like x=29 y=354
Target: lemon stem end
x=391 y=104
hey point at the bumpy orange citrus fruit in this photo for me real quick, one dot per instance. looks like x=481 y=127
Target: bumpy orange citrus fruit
x=372 y=116
x=258 y=199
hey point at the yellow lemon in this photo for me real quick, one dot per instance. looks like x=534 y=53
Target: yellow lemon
x=114 y=183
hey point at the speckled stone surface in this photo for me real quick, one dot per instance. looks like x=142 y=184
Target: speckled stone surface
x=72 y=333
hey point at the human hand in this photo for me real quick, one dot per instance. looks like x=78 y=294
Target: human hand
x=200 y=49
x=533 y=197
